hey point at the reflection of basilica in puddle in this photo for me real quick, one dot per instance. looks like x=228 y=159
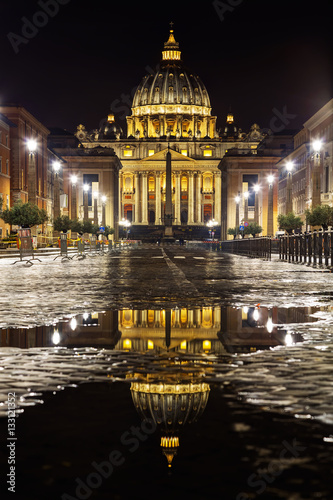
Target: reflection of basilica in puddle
x=175 y=394
x=214 y=330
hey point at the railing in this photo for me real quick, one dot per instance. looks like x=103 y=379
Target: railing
x=309 y=248
x=250 y=247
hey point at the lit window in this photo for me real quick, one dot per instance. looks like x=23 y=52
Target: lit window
x=150 y=344
x=128 y=152
x=151 y=184
x=127 y=344
x=207 y=345
x=184 y=152
x=151 y=152
x=207 y=152
x=184 y=183
x=183 y=345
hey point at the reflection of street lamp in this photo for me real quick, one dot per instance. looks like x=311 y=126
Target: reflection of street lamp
x=316 y=171
x=211 y=225
x=126 y=225
x=103 y=210
x=32 y=187
x=73 y=197
x=289 y=201
x=95 y=194
x=86 y=188
x=270 y=227
x=56 y=194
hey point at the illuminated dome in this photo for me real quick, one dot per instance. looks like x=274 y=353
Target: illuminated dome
x=171 y=405
x=172 y=84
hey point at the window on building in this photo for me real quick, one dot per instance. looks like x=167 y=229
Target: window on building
x=184 y=152
x=0 y=137
x=7 y=141
x=128 y=152
x=0 y=164
x=89 y=179
x=208 y=152
x=7 y=167
x=151 y=184
x=184 y=183
x=151 y=152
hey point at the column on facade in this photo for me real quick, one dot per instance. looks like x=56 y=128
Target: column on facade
x=191 y=198
x=177 y=198
x=217 y=197
x=144 y=198
x=137 y=198
x=158 y=214
x=198 y=198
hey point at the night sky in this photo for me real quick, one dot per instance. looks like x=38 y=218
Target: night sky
x=257 y=57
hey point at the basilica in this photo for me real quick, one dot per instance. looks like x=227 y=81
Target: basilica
x=171 y=109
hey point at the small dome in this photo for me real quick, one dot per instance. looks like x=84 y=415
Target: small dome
x=230 y=130
x=110 y=129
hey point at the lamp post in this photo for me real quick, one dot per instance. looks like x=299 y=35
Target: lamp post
x=103 y=210
x=56 y=193
x=270 y=225
x=32 y=182
x=316 y=172
x=237 y=200
x=126 y=225
x=289 y=200
x=211 y=227
x=73 y=197
x=95 y=193
x=246 y=206
x=256 y=189
x=86 y=188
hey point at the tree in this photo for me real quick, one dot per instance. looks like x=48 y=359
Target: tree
x=24 y=215
x=289 y=222
x=233 y=231
x=108 y=230
x=253 y=228
x=62 y=223
x=321 y=215
x=77 y=226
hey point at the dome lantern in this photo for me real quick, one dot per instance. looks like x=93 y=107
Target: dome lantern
x=171 y=50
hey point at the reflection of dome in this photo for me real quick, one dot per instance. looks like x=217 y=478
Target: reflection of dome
x=171 y=405
x=110 y=129
x=172 y=84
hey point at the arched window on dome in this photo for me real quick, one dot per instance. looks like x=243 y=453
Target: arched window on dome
x=185 y=95
x=145 y=96
x=157 y=95
x=170 y=94
x=196 y=96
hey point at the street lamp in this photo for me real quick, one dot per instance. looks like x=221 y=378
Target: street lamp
x=73 y=197
x=289 y=201
x=237 y=200
x=103 y=209
x=256 y=189
x=246 y=206
x=270 y=225
x=86 y=188
x=211 y=225
x=56 y=195
x=95 y=195
x=316 y=172
x=126 y=225
x=32 y=181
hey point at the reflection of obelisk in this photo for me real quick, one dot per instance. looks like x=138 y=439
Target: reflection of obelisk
x=168 y=215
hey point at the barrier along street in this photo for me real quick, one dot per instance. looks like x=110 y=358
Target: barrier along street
x=312 y=248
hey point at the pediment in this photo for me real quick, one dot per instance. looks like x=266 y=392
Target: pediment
x=161 y=156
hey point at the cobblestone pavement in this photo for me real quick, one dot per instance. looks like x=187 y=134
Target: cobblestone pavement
x=152 y=277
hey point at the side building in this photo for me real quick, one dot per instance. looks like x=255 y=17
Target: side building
x=306 y=173
x=5 y=128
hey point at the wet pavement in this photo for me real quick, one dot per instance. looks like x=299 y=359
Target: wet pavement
x=224 y=363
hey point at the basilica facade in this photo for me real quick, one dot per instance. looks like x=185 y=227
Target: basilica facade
x=171 y=110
